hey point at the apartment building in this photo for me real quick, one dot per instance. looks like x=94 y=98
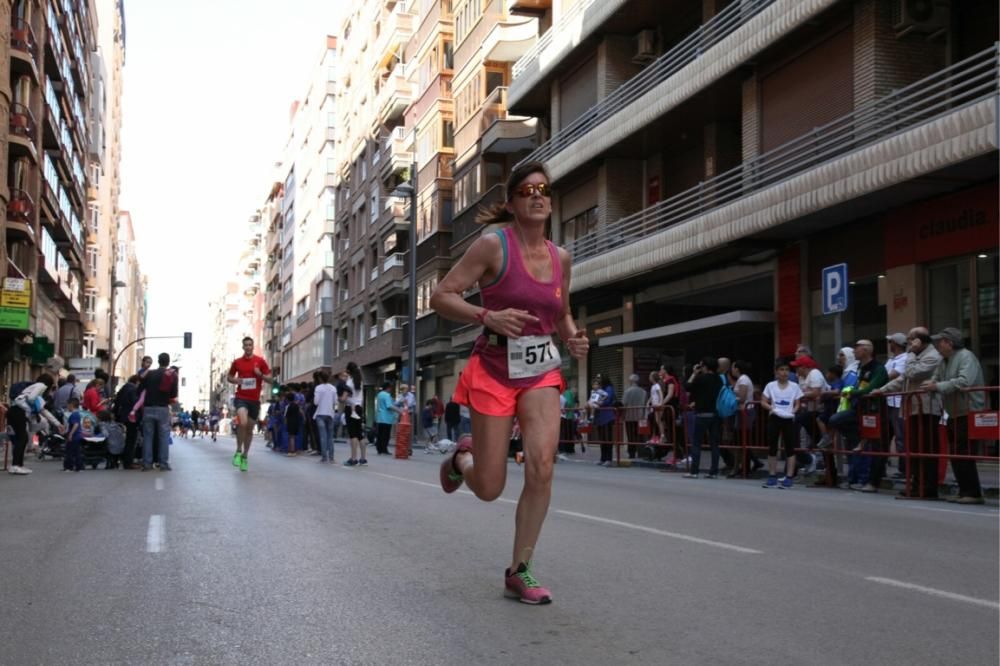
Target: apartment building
x=239 y=311
x=47 y=46
x=128 y=315
x=711 y=157
x=111 y=300
x=372 y=156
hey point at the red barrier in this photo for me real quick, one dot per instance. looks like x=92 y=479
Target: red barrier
x=4 y=436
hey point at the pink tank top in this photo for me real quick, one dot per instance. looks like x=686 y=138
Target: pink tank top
x=515 y=287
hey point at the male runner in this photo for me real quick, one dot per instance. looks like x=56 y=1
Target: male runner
x=248 y=371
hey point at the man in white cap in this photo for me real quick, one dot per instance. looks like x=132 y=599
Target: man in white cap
x=959 y=369
x=894 y=366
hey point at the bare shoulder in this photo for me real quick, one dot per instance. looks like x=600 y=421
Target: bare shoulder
x=565 y=258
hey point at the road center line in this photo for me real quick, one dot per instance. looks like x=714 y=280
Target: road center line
x=154 y=535
x=935 y=593
x=653 y=530
x=159 y=483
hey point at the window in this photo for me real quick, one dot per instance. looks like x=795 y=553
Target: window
x=447 y=134
x=424 y=291
x=90 y=305
x=448 y=51
x=579 y=226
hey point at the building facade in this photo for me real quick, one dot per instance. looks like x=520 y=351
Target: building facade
x=711 y=157
x=45 y=104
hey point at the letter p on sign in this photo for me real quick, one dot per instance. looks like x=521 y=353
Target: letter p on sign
x=834 y=289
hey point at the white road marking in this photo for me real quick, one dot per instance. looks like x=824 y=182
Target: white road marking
x=653 y=530
x=437 y=486
x=935 y=593
x=154 y=535
x=159 y=483
x=983 y=514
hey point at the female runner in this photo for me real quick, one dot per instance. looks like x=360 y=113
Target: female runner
x=515 y=365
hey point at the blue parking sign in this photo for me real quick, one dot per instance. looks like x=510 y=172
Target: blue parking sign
x=834 y=289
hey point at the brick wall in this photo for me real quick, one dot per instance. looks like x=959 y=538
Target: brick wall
x=751 y=119
x=883 y=63
x=614 y=65
x=621 y=189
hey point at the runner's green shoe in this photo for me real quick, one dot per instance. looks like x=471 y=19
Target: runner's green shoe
x=243 y=463
x=236 y=459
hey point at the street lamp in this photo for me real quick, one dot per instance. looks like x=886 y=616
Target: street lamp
x=116 y=284
x=410 y=190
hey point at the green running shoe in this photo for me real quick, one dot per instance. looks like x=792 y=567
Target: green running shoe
x=236 y=459
x=243 y=463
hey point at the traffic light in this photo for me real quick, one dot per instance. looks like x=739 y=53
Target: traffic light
x=187 y=340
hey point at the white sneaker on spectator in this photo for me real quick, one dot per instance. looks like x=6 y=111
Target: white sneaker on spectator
x=19 y=470
x=811 y=467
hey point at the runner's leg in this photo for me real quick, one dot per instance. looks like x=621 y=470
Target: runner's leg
x=540 y=431
x=242 y=446
x=487 y=475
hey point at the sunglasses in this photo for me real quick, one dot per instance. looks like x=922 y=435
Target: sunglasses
x=529 y=189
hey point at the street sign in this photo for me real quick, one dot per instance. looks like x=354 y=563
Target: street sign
x=14 y=318
x=835 y=289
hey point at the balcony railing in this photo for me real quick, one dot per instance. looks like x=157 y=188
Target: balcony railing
x=20 y=208
x=373 y=332
x=545 y=40
x=22 y=123
x=393 y=261
x=685 y=52
x=972 y=80
x=22 y=37
x=393 y=324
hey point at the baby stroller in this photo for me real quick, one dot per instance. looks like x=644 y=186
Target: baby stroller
x=52 y=445
x=95 y=451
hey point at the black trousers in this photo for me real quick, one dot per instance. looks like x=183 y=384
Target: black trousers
x=922 y=438
x=605 y=436
x=18 y=420
x=632 y=432
x=965 y=471
x=131 y=436
x=567 y=435
x=384 y=431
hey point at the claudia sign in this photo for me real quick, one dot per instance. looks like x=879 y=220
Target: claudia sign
x=949 y=226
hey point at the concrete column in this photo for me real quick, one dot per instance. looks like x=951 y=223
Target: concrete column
x=628 y=326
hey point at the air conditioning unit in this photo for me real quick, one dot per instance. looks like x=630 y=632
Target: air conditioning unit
x=922 y=16
x=645 y=47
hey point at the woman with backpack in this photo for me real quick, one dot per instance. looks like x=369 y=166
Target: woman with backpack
x=29 y=404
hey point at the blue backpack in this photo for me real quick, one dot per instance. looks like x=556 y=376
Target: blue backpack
x=726 y=403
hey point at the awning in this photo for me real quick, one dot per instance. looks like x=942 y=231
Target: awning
x=692 y=326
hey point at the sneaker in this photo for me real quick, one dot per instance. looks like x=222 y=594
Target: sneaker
x=236 y=459
x=351 y=462
x=450 y=477
x=324 y=460
x=243 y=463
x=19 y=470
x=164 y=467
x=856 y=486
x=521 y=585
x=772 y=482
x=562 y=457
x=363 y=462
x=711 y=476
x=146 y=468
x=690 y=475
x=811 y=467
x=787 y=484
x=970 y=500
x=825 y=441
x=869 y=488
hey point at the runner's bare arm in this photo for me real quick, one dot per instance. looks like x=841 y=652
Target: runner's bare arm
x=575 y=338
x=481 y=263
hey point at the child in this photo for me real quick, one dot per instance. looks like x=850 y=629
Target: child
x=781 y=399
x=428 y=423
x=596 y=399
x=73 y=458
x=115 y=435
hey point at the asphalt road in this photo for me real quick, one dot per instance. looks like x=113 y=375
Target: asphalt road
x=301 y=563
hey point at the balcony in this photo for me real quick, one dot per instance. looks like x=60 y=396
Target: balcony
x=396 y=153
x=393 y=323
x=508 y=42
x=395 y=214
x=393 y=279
x=23 y=132
x=21 y=214
x=394 y=95
x=834 y=164
x=533 y=7
x=24 y=47
x=396 y=260
x=395 y=33
x=692 y=65
x=464 y=224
